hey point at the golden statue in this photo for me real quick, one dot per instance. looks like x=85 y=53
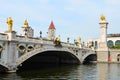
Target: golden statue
x=103 y=18
x=58 y=39
x=9 y=21
x=25 y=23
x=79 y=41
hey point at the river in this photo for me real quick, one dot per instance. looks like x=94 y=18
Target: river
x=99 y=71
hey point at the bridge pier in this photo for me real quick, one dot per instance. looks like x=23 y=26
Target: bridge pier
x=102 y=56
x=12 y=69
x=12 y=54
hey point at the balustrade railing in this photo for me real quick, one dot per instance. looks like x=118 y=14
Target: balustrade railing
x=3 y=36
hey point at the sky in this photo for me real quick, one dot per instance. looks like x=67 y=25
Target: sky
x=72 y=18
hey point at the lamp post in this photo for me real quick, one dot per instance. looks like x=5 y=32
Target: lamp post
x=75 y=42
x=109 y=57
x=83 y=44
x=68 y=39
x=26 y=33
x=40 y=34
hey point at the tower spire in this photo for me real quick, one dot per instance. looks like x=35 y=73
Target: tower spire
x=51 y=31
x=52 y=25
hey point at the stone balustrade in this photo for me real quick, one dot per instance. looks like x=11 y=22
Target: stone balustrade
x=3 y=36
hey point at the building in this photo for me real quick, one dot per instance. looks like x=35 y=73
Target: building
x=107 y=45
x=51 y=31
x=112 y=40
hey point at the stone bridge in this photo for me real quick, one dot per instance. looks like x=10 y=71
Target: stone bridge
x=15 y=50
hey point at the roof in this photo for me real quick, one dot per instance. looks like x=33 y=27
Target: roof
x=52 y=25
x=113 y=35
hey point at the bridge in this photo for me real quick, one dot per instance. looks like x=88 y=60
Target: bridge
x=15 y=49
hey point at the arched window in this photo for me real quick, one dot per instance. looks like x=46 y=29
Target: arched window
x=118 y=57
x=117 y=42
x=96 y=44
x=0 y=51
x=110 y=43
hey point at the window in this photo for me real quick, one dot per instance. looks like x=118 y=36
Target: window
x=96 y=44
x=118 y=57
x=110 y=43
x=117 y=42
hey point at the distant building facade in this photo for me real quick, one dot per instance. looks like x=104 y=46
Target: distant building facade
x=27 y=30
x=106 y=46
x=112 y=40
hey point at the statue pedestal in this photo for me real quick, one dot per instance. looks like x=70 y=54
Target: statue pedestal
x=102 y=52
x=11 y=35
x=103 y=46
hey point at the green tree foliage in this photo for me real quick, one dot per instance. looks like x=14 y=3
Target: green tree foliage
x=115 y=47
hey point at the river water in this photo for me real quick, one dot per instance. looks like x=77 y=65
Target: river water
x=99 y=71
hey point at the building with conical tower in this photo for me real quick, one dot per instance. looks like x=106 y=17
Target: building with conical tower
x=51 y=31
x=27 y=30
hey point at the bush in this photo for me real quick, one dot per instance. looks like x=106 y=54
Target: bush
x=115 y=47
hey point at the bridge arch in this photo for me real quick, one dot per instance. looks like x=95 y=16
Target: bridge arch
x=55 y=55
x=1 y=48
x=89 y=57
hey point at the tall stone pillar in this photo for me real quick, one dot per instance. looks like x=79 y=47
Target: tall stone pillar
x=11 y=51
x=102 y=54
x=103 y=35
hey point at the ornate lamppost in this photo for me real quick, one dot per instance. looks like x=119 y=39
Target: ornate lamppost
x=68 y=39
x=109 y=56
x=75 y=42
x=26 y=32
x=40 y=34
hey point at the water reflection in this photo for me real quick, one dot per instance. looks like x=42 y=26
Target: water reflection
x=108 y=71
x=12 y=76
x=100 y=71
x=114 y=72
x=52 y=73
